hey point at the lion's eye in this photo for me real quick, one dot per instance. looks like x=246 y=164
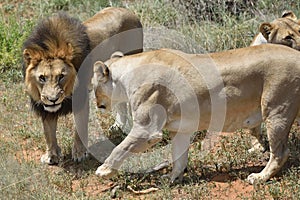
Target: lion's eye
x=288 y=37
x=61 y=77
x=42 y=78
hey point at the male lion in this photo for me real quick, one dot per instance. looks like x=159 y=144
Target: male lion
x=284 y=30
x=52 y=56
x=174 y=90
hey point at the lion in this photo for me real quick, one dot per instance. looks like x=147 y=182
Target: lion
x=52 y=56
x=111 y=21
x=173 y=90
x=284 y=30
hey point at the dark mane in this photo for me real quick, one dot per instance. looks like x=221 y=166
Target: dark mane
x=51 y=38
x=53 y=34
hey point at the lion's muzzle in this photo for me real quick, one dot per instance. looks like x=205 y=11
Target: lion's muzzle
x=52 y=100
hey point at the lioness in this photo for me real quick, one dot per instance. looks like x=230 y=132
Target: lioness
x=284 y=30
x=171 y=89
x=52 y=56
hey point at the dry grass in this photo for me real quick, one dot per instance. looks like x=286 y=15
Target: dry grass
x=219 y=174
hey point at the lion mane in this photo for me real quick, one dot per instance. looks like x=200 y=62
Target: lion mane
x=59 y=36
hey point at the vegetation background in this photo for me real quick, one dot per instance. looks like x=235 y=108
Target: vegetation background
x=210 y=26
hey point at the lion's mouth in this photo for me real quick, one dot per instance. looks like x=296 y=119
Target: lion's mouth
x=52 y=108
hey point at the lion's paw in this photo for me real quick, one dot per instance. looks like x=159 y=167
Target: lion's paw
x=173 y=177
x=105 y=171
x=51 y=158
x=257 y=147
x=79 y=153
x=256 y=178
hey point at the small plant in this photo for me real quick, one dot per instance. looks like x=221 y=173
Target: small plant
x=13 y=33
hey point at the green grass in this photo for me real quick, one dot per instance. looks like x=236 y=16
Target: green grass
x=11 y=40
x=22 y=141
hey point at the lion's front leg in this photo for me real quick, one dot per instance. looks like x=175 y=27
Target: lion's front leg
x=53 y=151
x=79 y=151
x=81 y=117
x=180 y=147
x=149 y=119
x=123 y=118
x=138 y=140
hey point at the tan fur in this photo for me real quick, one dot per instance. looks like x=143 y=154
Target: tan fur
x=52 y=56
x=284 y=30
x=108 y=22
x=256 y=89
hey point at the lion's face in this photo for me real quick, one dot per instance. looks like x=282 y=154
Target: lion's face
x=285 y=30
x=50 y=82
x=103 y=87
x=103 y=100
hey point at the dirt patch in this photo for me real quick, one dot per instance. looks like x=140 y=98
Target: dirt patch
x=237 y=189
x=92 y=187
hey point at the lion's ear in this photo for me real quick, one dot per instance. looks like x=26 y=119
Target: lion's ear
x=101 y=71
x=117 y=54
x=265 y=29
x=31 y=56
x=27 y=56
x=289 y=14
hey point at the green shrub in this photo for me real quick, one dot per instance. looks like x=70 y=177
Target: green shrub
x=13 y=33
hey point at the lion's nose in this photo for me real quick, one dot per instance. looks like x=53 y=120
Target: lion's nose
x=52 y=99
x=102 y=107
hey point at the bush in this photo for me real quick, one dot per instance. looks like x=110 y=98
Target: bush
x=13 y=33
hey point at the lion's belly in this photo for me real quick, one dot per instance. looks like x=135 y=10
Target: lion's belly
x=237 y=116
x=242 y=120
x=244 y=114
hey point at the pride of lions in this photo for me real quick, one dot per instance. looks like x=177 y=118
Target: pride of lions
x=165 y=88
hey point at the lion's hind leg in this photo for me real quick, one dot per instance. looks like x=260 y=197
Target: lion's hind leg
x=278 y=127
